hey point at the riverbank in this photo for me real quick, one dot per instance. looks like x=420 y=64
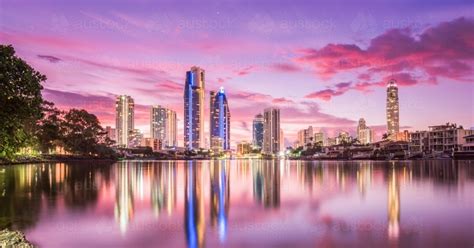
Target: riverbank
x=53 y=158
x=13 y=239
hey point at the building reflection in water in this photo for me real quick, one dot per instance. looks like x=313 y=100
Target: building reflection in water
x=194 y=205
x=364 y=177
x=266 y=183
x=393 y=204
x=163 y=188
x=124 y=206
x=220 y=196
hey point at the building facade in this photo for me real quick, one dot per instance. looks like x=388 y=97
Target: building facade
x=319 y=138
x=271 y=131
x=219 y=118
x=163 y=125
x=257 y=131
x=447 y=138
x=364 y=133
x=124 y=119
x=393 y=122
x=194 y=109
x=306 y=136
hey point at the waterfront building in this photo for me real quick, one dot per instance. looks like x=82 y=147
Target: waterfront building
x=319 y=138
x=305 y=136
x=194 y=109
x=219 y=118
x=447 y=138
x=364 y=133
x=124 y=119
x=243 y=148
x=272 y=132
x=163 y=125
x=418 y=142
x=393 y=122
x=343 y=138
x=257 y=131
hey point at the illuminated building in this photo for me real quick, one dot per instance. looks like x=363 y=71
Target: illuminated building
x=392 y=108
x=163 y=125
x=194 y=109
x=343 y=138
x=124 y=119
x=364 y=133
x=244 y=148
x=271 y=131
x=257 y=131
x=305 y=136
x=319 y=138
x=219 y=118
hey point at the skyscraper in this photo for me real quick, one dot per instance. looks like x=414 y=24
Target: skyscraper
x=392 y=108
x=271 y=131
x=219 y=118
x=194 y=109
x=163 y=125
x=124 y=119
x=257 y=131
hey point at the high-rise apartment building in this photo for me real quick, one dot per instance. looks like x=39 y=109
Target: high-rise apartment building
x=257 y=131
x=219 y=119
x=393 y=122
x=163 y=125
x=124 y=119
x=271 y=131
x=194 y=109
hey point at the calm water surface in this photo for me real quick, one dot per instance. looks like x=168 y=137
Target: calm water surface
x=241 y=203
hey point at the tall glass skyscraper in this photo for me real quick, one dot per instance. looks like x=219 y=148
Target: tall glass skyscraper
x=219 y=119
x=124 y=119
x=257 y=131
x=392 y=108
x=271 y=131
x=194 y=109
x=163 y=125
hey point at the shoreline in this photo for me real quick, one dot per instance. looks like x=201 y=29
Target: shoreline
x=110 y=160
x=57 y=159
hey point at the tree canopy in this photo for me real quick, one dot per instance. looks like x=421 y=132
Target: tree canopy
x=20 y=102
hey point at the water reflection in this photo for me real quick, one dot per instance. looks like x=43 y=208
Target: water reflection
x=124 y=196
x=266 y=186
x=393 y=204
x=194 y=206
x=154 y=197
x=220 y=196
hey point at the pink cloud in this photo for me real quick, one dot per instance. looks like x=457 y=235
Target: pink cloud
x=444 y=50
x=285 y=67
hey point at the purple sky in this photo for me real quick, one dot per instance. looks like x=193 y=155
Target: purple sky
x=323 y=63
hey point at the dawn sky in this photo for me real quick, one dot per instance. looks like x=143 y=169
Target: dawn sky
x=323 y=63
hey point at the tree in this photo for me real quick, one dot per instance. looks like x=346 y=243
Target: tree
x=82 y=132
x=49 y=132
x=20 y=102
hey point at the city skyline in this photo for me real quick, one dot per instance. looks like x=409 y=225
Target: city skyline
x=324 y=71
